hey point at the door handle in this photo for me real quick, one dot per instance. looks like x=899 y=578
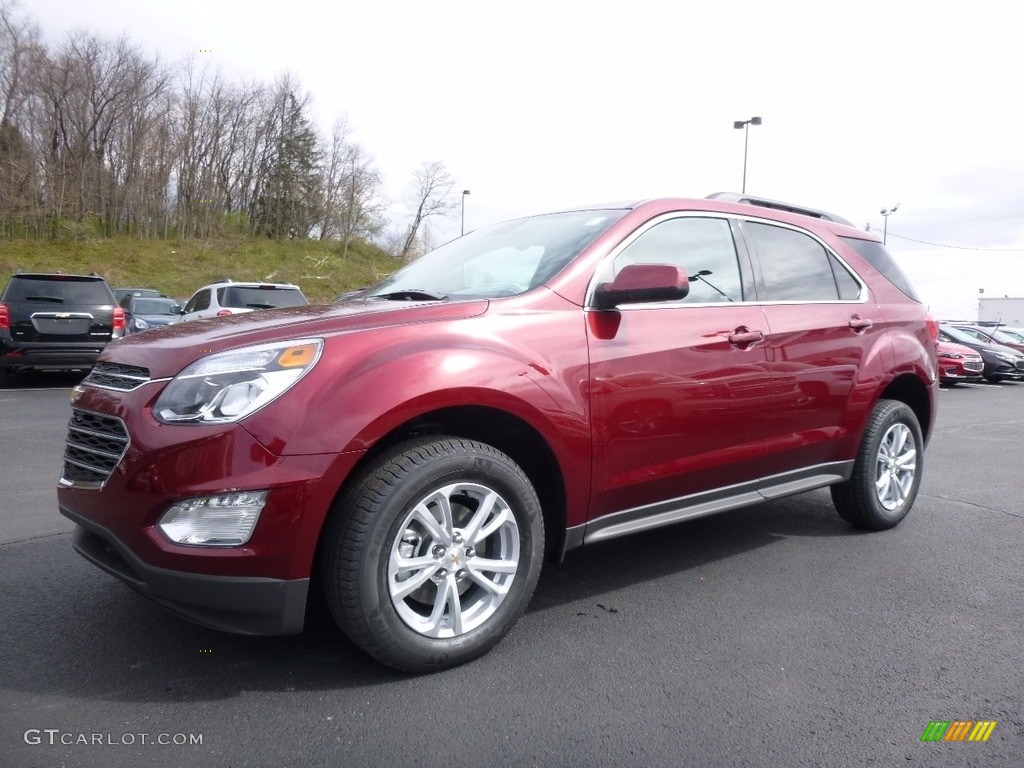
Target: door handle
x=743 y=336
x=859 y=323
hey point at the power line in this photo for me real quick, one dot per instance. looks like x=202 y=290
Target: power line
x=958 y=247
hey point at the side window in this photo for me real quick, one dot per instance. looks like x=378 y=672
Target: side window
x=701 y=246
x=875 y=254
x=976 y=334
x=849 y=288
x=199 y=302
x=795 y=266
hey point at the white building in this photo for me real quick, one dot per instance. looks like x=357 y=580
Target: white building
x=1005 y=310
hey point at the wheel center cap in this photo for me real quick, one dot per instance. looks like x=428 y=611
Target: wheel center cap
x=456 y=556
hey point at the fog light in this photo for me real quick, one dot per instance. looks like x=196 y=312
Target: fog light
x=226 y=520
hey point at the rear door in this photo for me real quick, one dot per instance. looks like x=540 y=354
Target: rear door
x=823 y=328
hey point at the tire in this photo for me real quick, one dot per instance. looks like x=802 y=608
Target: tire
x=433 y=553
x=5 y=378
x=887 y=471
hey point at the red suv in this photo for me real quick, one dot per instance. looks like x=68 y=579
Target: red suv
x=417 y=450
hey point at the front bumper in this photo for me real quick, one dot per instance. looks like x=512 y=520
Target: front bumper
x=999 y=369
x=244 y=605
x=256 y=588
x=952 y=372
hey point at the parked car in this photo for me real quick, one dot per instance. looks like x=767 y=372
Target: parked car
x=958 y=363
x=991 y=335
x=55 y=322
x=120 y=293
x=230 y=298
x=999 y=362
x=531 y=387
x=145 y=312
x=1017 y=334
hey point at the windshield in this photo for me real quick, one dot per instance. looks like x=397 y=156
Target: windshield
x=959 y=336
x=501 y=260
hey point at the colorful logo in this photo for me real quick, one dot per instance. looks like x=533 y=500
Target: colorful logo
x=958 y=730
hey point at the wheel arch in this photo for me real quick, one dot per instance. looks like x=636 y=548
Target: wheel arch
x=510 y=434
x=909 y=389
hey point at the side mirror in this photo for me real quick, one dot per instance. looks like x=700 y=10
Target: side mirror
x=638 y=283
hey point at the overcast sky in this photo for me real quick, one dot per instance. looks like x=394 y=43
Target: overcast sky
x=536 y=105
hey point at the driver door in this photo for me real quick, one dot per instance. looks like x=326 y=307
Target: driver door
x=679 y=390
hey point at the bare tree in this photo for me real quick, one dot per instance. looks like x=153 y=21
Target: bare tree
x=352 y=205
x=20 y=49
x=98 y=94
x=430 y=196
x=96 y=137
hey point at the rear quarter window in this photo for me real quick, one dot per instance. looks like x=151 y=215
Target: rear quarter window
x=879 y=258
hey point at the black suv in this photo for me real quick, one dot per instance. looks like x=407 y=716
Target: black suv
x=55 y=322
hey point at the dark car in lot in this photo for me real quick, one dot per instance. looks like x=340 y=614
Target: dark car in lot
x=143 y=313
x=1000 y=362
x=992 y=335
x=958 y=363
x=55 y=322
x=121 y=293
x=534 y=386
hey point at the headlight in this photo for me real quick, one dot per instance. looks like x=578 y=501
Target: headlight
x=140 y=323
x=1005 y=357
x=231 y=385
x=952 y=355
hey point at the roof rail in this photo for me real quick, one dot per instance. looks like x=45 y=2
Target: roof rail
x=732 y=197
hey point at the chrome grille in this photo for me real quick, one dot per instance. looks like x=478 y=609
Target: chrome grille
x=977 y=366
x=94 y=445
x=123 y=378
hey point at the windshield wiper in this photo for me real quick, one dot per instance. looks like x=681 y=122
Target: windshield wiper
x=411 y=294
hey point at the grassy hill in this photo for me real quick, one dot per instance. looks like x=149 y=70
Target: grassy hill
x=179 y=267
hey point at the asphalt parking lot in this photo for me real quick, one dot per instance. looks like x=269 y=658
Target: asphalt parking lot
x=771 y=636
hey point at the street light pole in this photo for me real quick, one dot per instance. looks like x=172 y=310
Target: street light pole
x=886 y=213
x=462 y=229
x=745 y=125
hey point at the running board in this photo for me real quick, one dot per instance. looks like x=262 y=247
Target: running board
x=676 y=510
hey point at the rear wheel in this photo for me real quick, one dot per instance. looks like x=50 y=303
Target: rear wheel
x=887 y=472
x=434 y=553
x=5 y=378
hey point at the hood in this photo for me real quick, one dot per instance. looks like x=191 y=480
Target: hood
x=176 y=345
x=949 y=348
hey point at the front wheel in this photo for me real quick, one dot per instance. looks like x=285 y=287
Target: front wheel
x=887 y=471
x=433 y=553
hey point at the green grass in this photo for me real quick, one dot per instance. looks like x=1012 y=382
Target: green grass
x=178 y=267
